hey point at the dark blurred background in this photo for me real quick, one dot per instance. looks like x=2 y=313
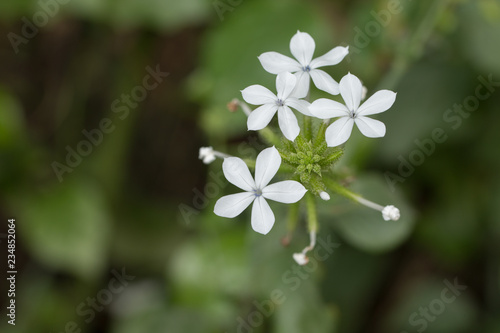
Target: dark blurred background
x=104 y=104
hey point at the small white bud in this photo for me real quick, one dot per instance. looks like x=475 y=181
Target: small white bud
x=300 y=258
x=325 y=196
x=390 y=213
x=207 y=155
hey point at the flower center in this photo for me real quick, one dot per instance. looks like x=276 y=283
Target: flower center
x=257 y=192
x=280 y=102
x=306 y=68
x=352 y=114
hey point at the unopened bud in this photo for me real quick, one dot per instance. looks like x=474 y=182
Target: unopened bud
x=325 y=196
x=300 y=258
x=390 y=213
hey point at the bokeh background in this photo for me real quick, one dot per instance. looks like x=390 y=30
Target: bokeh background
x=138 y=202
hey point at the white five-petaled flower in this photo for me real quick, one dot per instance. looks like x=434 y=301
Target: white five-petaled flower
x=305 y=67
x=270 y=103
x=258 y=190
x=351 y=91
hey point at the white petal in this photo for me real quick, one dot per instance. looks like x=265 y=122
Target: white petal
x=258 y=95
x=370 y=127
x=275 y=63
x=285 y=83
x=288 y=123
x=324 y=81
x=232 y=205
x=302 y=86
x=288 y=191
x=331 y=58
x=267 y=164
x=299 y=105
x=324 y=108
x=262 y=216
x=237 y=173
x=351 y=90
x=302 y=47
x=261 y=116
x=338 y=132
x=377 y=103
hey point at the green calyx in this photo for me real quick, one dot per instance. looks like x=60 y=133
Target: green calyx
x=310 y=159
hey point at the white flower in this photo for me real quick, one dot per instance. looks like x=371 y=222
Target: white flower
x=390 y=213
x=237 y=173
x=261 y=116
x=302 y=47
x=351 y=90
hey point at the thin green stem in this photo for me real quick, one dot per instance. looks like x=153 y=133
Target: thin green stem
x=334 y=186
x=293 y=217
x=312 y=216
x=307 y=128
x=320 y=135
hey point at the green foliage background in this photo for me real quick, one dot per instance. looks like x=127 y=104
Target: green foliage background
x=121 y=207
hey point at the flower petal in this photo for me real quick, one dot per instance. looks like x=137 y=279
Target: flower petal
x=267 y=164
x=232 y=205
x=338 y=132
x=258 y=95
x=324 y=81
x=237 y=173
x=324 y=108
x=285 y=83
x=377 y=103
x=302 y=86
x=299 y=105
x=351 y=90
x=333 y=57
x=288 y=191
x=302 y=47
x=370 y=128
x=288 y=123
x=262 y=216
x=275 y=63
x=261 y=116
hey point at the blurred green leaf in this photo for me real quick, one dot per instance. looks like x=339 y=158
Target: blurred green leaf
x=480 y=31
x=304 y=311
x=211 y=266
x=456 y=316
x=66 y=226
x=12 y=127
